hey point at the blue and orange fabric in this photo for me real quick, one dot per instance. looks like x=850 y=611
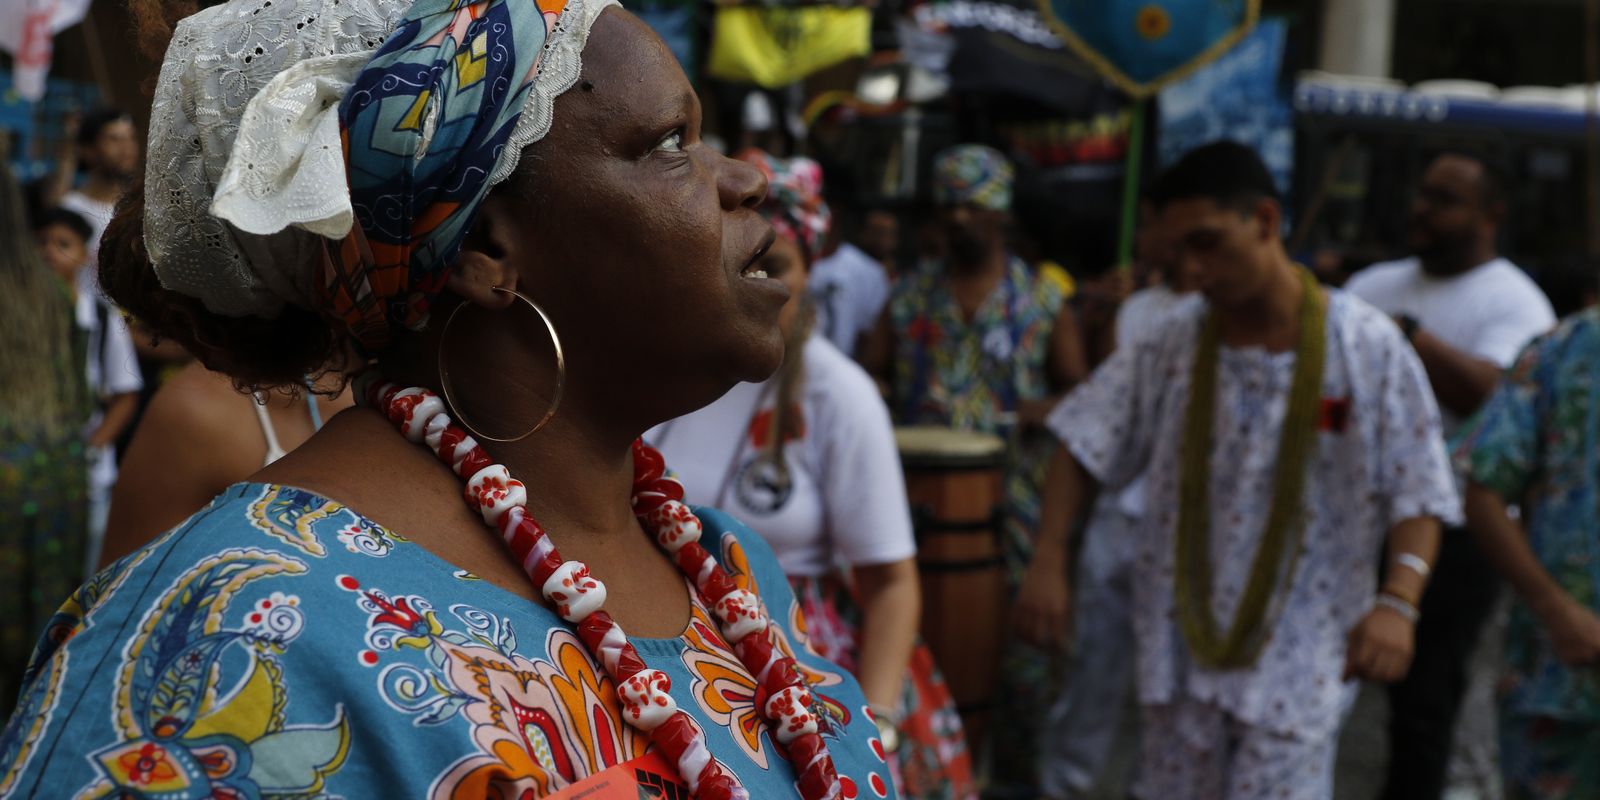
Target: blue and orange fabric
x=279 y=644
x=423 y=129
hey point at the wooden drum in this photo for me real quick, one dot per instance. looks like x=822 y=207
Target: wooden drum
x=954 y=483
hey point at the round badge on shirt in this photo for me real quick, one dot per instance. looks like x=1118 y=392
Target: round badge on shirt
x=763 y=486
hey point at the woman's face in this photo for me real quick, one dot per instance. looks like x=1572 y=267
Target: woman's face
x=640 y=241
x=786 y=263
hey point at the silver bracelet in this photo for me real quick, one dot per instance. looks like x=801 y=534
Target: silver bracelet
x=1398 y=606
x=892 y=715
x=1414 y=562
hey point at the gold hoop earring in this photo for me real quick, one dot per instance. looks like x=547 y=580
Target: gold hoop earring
x=561 y=370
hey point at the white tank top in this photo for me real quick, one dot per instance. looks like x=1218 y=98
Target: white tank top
x=275 y=450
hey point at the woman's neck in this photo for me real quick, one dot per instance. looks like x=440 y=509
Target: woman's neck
x=578 y=468
x=580 y=479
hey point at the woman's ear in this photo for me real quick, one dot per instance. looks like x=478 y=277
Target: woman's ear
x=485 y=262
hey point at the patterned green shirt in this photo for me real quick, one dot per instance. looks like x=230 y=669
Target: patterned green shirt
x=1537 y=443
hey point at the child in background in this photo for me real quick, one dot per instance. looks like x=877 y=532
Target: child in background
x=110 y=364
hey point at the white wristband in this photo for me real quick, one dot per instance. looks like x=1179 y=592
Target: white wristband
x=1398 y=606
x=1413 y=562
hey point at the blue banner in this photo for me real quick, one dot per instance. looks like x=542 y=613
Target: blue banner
x=1141 y=45
x=1236 y=97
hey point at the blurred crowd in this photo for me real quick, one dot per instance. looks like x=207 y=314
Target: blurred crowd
x=1216 y=489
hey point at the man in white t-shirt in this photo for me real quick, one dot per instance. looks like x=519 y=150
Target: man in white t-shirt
x=851 y=285
x=1468 y=312
x=108 y=145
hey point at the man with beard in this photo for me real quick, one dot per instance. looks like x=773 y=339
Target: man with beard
x=977 y=342
x=1467 y=312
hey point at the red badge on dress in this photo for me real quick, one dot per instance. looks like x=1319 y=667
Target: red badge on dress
x=649 y=775
x=1335 y=414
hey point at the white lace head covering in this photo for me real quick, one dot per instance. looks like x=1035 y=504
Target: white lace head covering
x=246 y=170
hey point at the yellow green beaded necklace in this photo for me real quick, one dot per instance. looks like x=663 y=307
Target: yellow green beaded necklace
x=1240 y=645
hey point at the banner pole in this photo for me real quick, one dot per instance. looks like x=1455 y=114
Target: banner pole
x=1130 y=184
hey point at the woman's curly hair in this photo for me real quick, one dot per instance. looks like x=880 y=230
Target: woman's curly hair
x=257 y=353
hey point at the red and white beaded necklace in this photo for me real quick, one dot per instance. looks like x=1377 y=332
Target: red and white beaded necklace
x=577 y=596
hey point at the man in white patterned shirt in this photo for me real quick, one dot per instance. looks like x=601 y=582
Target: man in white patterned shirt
x=1255 y=597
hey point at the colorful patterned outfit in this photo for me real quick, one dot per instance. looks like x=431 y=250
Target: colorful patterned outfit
x=933 y=761
x=44 y=530
x=1537 y=443
x=44 y=523
x=1379 y=460
x=279 y=644
x=972 y=376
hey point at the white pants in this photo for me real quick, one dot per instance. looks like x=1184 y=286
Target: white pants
x=1196 y=751
x=1083 y=722
x=99 y=514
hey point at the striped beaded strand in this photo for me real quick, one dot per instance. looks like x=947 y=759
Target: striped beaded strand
x=782 y=693
x=566 y=585
x=577 y=597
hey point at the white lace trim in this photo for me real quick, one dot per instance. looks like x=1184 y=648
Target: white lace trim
x=219 y=60
x=559 y=69
x=287 y=149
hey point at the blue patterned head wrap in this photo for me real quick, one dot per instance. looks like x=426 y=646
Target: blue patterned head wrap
x=975 y=174
x=437 y=116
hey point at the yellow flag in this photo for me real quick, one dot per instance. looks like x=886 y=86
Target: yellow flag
x=774 y=47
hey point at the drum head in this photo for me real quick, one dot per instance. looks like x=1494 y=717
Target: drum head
x=931 y=448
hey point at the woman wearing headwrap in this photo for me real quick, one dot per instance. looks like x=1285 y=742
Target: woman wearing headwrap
x=350 y=172
x=808 y=459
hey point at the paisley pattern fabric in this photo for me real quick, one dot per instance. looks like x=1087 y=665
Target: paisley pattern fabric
x=280 y=645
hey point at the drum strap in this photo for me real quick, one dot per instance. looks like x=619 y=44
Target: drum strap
x=740 y=443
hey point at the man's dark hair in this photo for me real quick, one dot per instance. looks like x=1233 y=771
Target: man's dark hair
x=1493 y=181
x=67 y=218
x=1226 y=173
x=97 y=121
